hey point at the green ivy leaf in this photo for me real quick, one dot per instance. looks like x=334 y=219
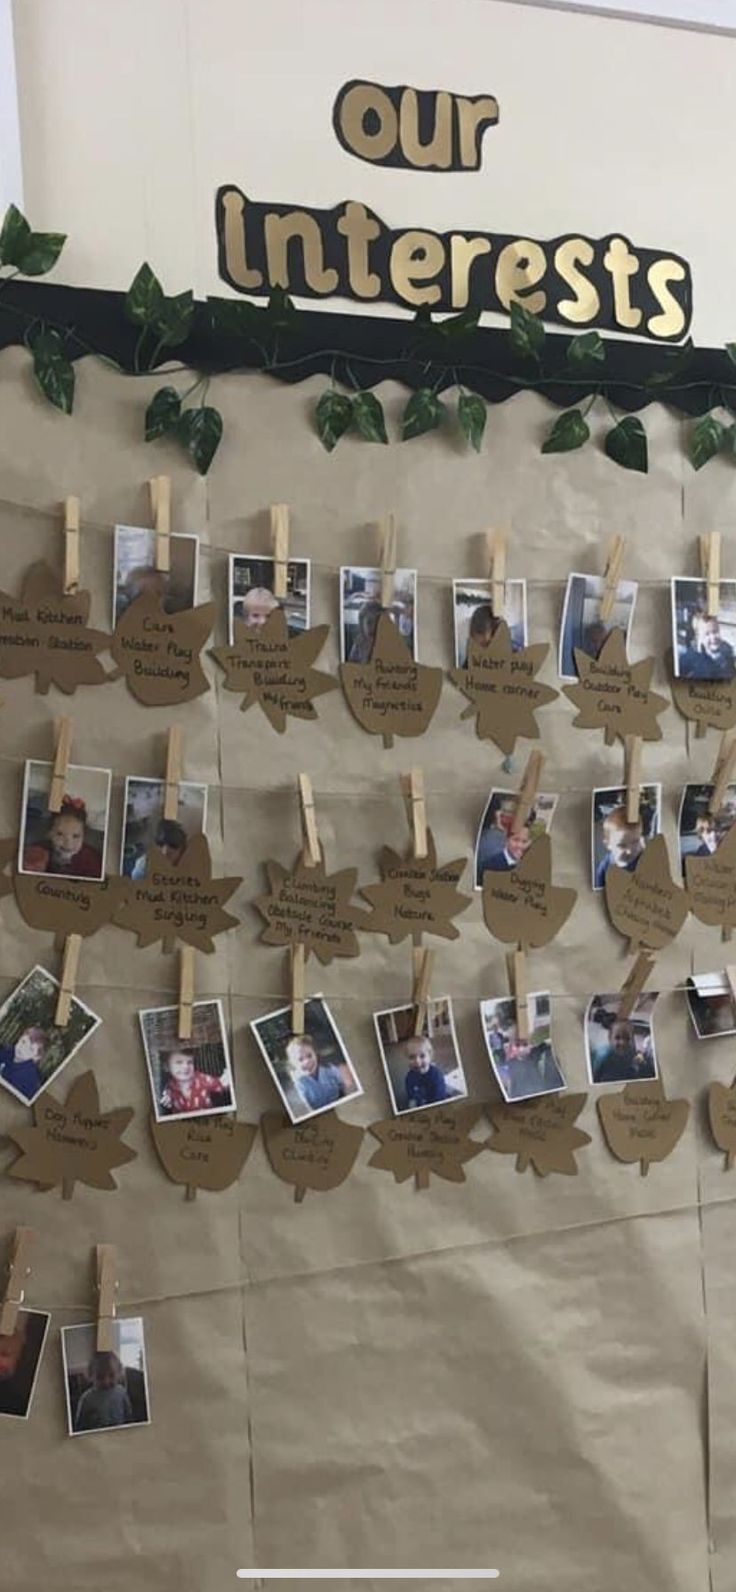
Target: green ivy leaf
x=14 y=237
x=334 y=415
x=33 y=253
x=526 y=332
x=200 y=432
x=145 y=297
x=569 y=431
x=369 y=417
x=162 y=413
x=587 y=349
x=472 y=415
x=730 y=347
x=626 y=444
x=423 y=412
x=281 y=313
x=52 y=370
x=174 y=319
x=455 y=326
x=237 y=317
x=706 y=440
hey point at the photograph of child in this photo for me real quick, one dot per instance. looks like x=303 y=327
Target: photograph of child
x=615 y=843
x=71 y=842
x=703 y=644
x=312 y=1071
x=496 y=848
x=251 y=598
x=475 y=620
x=20 y=1358
x=711 y=1004
x=32 y=1049
x=700 y=832
x=105 y=1387
x=360 y=610
x=620 y=1049
x=188 y=1077
x=135 y=571
x=524 y=1068
x=421 y=1069
x=582 y=626
x=144 y=825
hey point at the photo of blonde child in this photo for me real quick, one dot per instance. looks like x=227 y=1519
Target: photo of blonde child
x=105 y=1388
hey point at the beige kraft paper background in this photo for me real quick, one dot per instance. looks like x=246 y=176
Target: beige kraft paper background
x=531 y=1374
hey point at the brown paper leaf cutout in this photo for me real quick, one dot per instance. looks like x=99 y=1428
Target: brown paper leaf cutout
x=314 y=1155
x=640 y=1124
x=421 y=1142
x=709 y=703
x=72 y=1141
x=646 y=905
x=417 y=896
x=310 y=907
x=275 y=669
x=711 y=884
x=208 y=1152
x=540 y=1132
x=44 y=632
x=391 y=695
x=158 y=653
x=613 y=695
x=502 y=689
x=178 y=900
x=61 y=906
x=521 y=905
x=722 y=1118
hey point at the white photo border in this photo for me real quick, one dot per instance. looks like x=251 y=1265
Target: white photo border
x=84 y=768
x=208 y=1111
x=128 y=1426
x=39 y=968
x=307 y=1116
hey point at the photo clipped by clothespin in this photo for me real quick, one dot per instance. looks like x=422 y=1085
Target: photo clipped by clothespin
x=527 y=791
x=412 y=788
x=173 y=771
x=388 y=561
x=186 y=991
x=69 y=966
x=107 y=1286
x=632 y=776
x=64 y=732
x=71 y=546
x=497 y=566
x=634 y=982
x=312 y=854
x=612 y=576
x=280 y=545
x=710 y=568
x=19 y=1268
x=516 y=968
x=422 y=962
x=160 y=488
x=722 y=772
x=297 y=989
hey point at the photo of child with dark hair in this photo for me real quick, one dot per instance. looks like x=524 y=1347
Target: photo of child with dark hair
x=188 y=1077
x=712 y=1005
x=583 y=629
x=135 y=572
x=251 y=597
x=360 y=610
x=499 y=847
x=20 y=1358
x=145 y=826
x=105 y=1388
x=523 y=1068
x=421 y=1069
x=703 y=643
x=32 y=1049
x=616 y=842
x=71 y=842
x=620 y=1049
x=701 y=831
x=475 y=621
x=312 y=1071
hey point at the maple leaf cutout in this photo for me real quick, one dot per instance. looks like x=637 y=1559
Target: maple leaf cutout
x=417 y=896
x=391 y=694
x=312 y=1155
x=522 y=906
x=310 y=907
x=60 y=648
x=722 y=1118
x=646 y=905
x=502 y=689
x=208 y=1153
x=711 y=884
x=178 y=900
x=540 y=1133
x=72 y=1141
x=641 y=1124
x=613 y=695
x=158 y=653
x=61 y=906
x=275 y=670
x=421 y=1142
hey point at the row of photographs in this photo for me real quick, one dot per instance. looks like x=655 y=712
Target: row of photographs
x=704 y=644
x=104 y=1389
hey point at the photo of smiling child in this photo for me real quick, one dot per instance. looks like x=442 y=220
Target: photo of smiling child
x=251 y=596
x=105 y=1388
x=188 y=1077
x=71 y=842
x=620 y=1049
x=498 y=846
x=312 y=1071
x=703 y=643
x=421 y=1069
x=701 y=831
x=20 y=1358
x=615 y=842
x=32 y=1049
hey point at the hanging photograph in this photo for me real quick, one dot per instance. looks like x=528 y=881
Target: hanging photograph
x=251 y=593
x=73 y=841
x=582 y=626
x=711 y=1004
x=312 y=1071
x=33 y=1050
x=620 y=1049
x=135 y=572
x=700 y=831
x=105 y=1388
x=497 y=848
x=188 y=1077
x=20 y=1358
x=421 y=1069
x=474 y=619
x=615 y=842
x=144 y=824
x=703 y=643
x=360 y=610
x=523 y=1068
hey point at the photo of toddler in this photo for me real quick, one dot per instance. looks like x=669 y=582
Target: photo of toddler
x=71 y=842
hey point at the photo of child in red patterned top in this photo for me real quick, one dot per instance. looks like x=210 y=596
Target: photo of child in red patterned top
x=189 y=1077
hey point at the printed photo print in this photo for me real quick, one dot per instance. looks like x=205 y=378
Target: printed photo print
x=703 y=644
x=496 y=848
x=475 y=620
x=251 y=597
x=523 y=1068
x=188 y=1077
x=712 y=1006
x=20 y=1358
x=135 y=570
x=144 y=824
x=312 y=1071
x=620 y=1049
x=73 y=841
x=700 y=831
x=582 y=626
x=105 y=1388
x=615 y=842
x=33 y=1050
x=360 y=611
x=421 y=1069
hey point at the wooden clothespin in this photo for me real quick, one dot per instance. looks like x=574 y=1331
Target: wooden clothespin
x=71 y=545
x=612 y=576
x=632 y=776
x=312 y=853
x=107 y=1287
x=160 y=488
x=297 y=989
x=422 y=961
x=412 y=788
x=527 y=791
x=173 y=771
x=72 y=947
x=722 y=772
x=497 y=567
x=186 y=991
x=516 y=968
x=710 y=568
x=388 y=561
x=634 y=982
x=18 y=1269
x=280 y=545
x=64 y=732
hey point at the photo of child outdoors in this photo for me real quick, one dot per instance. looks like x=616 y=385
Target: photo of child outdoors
x=703 y=643
x=360 y=610
x=582 y=627
x=615 y=842
x=421 y=1069
x=251 y=596
x=523 y=1068
x=497 y=847
x=620 y=1049
x=475 y=621
x=105 y=1388
x=135 y=572
x=312 y=1071
x=144 y=825
x=32 y=1049
x=20 y=1358
x=700 y=831
x=71 y=842
x=188 y=1077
